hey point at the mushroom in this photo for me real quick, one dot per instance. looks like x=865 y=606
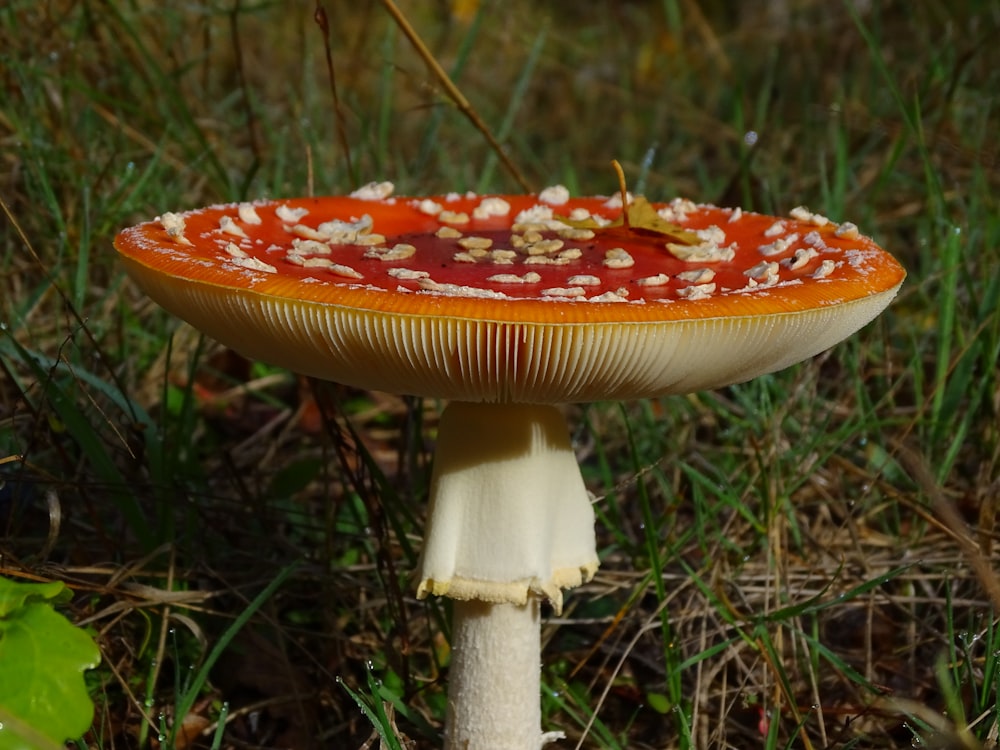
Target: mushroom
x=508 y=306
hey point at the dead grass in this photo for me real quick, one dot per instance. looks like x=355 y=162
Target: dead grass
x=828 y=534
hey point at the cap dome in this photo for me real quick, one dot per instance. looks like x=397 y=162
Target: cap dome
x=511 y=298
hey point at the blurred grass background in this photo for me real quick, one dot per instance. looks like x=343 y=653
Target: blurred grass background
x=806 y=560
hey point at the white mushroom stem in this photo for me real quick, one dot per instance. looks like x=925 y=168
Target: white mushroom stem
x=494 y=678
x=510 y=522
x=509 y=512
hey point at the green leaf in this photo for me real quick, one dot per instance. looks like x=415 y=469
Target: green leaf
x=14 y=596
x=43 y=698
x=658 y=702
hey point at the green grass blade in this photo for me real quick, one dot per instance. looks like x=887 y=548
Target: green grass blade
x=188 y=698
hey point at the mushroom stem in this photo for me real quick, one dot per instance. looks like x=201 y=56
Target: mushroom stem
x=510 y=523
x=494 y=678
x=509 y=513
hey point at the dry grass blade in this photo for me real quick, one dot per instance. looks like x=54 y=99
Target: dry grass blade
x=952 y=520
x=323 y=21
x=454 y=92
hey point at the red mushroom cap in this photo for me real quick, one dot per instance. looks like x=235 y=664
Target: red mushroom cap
x=512 y=298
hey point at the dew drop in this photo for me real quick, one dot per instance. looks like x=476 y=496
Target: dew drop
x=750 y=137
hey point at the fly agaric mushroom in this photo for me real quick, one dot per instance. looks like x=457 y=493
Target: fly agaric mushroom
x=508 y=306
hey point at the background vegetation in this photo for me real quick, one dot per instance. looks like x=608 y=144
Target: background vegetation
x=806 y=560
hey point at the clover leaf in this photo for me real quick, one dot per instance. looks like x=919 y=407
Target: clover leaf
x=43 y=698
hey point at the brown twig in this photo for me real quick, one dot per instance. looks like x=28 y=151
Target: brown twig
x=453 y=91
x=323 y=21
x=234 y=29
